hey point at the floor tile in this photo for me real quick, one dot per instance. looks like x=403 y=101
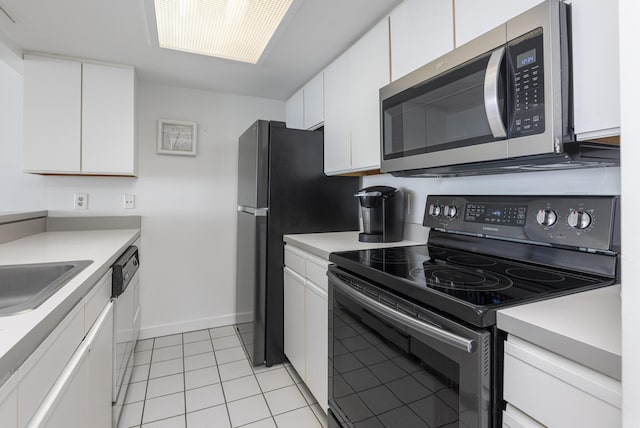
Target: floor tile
x=164 y=341
x=248 y=410
x=213 y=417
x=206 y=396
x=141 y=357
x=264 y=368
x=196 y=336
x=166 y=353
x=131 y=415
x=226 y=342
x=201 y=377
x=308 y=396
x=163 y=407
x=140 y=373
x=174 y=422
x=144 y=345
x=166 y=368
x=194 y=362
x=136 y=392
x=230 y=354
x=264 y=423
x=303 y=417
x=200 y=347
x=274 y=379
x=242 y=387
x=284 y=399
x=320 y=415
x=165 y=385
x=234 y=370
x=294 y=374
x=228 y=330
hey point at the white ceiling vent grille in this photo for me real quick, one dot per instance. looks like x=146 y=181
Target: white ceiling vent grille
x=239 y=30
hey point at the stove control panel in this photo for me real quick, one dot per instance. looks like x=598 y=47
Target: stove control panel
x=586 y=222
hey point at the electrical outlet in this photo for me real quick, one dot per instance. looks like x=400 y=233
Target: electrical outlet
x=80 y=201
x=129 y=201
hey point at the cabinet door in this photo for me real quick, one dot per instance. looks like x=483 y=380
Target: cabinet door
x=9 y=402
x=473 y=18
x=337 y=133
x=596 y=68
x=52 y=99
x=294 y=111
x=108 y=138
x=369 y=71
x=421 y=31
x=314 y=102
x=317 y=343
x=294 y=330
x=100 y=370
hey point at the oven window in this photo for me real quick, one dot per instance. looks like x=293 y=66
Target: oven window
x=444 y=113
x=383 y=377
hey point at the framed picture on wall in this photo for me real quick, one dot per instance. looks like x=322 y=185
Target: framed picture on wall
x=176 y=137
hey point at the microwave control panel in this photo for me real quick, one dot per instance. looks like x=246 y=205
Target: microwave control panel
x=526 y=59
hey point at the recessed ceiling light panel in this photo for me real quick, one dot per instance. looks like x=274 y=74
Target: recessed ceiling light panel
x=233 y=29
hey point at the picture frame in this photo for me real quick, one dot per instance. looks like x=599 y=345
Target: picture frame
x=177 y=137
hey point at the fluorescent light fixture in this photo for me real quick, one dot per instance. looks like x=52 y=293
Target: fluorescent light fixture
x=239 y=30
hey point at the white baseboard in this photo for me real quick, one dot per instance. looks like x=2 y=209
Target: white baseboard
x=158 y=330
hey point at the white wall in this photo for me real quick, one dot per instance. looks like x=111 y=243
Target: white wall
x=187 y=204
x=18 y=191
x=598 y=181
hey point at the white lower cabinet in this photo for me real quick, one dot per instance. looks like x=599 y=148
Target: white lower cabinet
x=544 y=388
x=306 y=319
x=9 y=402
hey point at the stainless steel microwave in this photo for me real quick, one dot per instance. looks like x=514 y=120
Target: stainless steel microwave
x=499 y=103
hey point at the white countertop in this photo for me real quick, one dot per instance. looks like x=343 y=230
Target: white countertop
x=584 y=327
x=21 y=334
x=322 y=244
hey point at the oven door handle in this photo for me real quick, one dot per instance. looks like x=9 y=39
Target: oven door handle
x=381 y=309
x=491 y=104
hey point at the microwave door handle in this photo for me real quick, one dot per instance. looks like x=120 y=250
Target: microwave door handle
x=429 y=330
x=491 y=104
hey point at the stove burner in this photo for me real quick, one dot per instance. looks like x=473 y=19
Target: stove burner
x=391 y=255
x=460 y=278
x=471 y=260
x=535 y=275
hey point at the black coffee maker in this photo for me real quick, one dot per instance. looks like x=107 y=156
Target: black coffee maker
x=382 y=209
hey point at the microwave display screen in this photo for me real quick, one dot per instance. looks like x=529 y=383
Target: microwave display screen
x=524 y=59
x=508 y=215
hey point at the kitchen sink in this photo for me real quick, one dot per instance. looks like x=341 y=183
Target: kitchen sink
x=25 y=287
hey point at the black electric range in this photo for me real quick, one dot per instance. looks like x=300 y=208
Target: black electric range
x=413 y=337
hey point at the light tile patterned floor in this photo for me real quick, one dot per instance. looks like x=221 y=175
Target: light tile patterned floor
x=204 y=379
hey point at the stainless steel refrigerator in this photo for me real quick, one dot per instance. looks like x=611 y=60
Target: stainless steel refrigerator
x=282 y=189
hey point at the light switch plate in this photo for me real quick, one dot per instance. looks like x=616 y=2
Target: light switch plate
x=80 y=201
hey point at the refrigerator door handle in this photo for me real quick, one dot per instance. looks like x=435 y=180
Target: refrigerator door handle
x=256 y=212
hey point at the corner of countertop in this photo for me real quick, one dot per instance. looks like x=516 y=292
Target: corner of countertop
x=14 y=216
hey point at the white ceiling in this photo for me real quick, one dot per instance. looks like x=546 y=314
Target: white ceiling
x=116 y=31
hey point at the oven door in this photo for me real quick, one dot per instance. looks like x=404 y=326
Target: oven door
x=392 y=364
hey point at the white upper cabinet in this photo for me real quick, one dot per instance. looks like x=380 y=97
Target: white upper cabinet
x=474 y=18
x=52 y=102
x=369 y=71
x=351 y=96
x=294 y=111
x=421 y=31
x=314 y=102
x=108 y=129
x=337 y=132
x=596 y=68
x=79 y=118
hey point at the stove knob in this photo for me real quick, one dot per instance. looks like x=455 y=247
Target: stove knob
x=435 y=210
x=579 y=219
x=450 y=211
x=546 y=217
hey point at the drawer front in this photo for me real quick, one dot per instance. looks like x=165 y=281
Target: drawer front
x=514 y=418
x=43 y=367
x=96 y=299
x=317 y=271
x=9 y=403
x=294 y=260
x=557 y=391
